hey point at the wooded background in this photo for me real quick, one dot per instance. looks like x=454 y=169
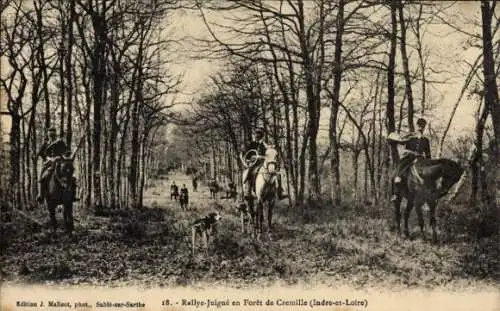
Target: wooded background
x=100 y=71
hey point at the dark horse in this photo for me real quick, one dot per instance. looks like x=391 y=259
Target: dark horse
x=427 y=181
x=60 y=191
x=213 y=186
x=174 y=192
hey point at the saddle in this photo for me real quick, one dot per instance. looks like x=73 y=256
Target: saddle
x=50 y=168
x=426 y=173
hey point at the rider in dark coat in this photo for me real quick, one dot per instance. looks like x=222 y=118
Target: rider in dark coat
x=184 y=191
x=50 y=151
x=259 y=144
x=174 y=189
x=417 y=145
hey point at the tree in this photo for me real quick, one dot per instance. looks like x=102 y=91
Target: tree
x=491 y=89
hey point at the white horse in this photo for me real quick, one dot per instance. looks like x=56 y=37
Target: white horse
x=266 y=191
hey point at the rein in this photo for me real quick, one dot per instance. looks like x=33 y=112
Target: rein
x=416 y=174
x=264 y=167
x=64 y=185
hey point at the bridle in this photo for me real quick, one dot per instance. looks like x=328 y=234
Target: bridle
x=267 y=172
x=59 y=173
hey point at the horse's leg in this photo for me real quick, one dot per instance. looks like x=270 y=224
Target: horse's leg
x=242 y=220
x=251 y=212
x=260 y=219
x=397 y=215
x=420 y=215
x=432 y=212
x=270 y=220
x=52 y=212
x=68 y=217
x=255 y=219
x=409 y=207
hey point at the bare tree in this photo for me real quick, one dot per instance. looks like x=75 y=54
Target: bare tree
x=491 y=89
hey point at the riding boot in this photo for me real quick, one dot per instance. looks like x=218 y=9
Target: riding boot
x=249 y=194
x=397 y=183
x=41 y=194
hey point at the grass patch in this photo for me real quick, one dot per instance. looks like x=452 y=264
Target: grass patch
x=326 y=245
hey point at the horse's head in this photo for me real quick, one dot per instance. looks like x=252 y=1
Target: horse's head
x=452 y=171
x=271 y=160
x=443 y=173
x=64 y=170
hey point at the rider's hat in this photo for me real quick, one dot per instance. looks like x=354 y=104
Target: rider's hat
x=52 y=129
x=421 y=122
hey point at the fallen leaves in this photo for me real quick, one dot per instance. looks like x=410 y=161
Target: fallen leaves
x=152 y=247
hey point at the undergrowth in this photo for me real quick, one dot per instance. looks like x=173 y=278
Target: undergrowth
x=325 y=244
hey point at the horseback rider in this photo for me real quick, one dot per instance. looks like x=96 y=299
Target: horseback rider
x=174 y=188
x=184 y=191
x=416 y=145
x=259 y=144
x=53 y=149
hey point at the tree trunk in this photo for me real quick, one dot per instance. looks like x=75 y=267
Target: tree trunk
x=15 y=157
x=336 y=191
x=99 y=76
x=390 y=122
x=69 y=72
x=62 y=53
x=406 y=69
x=491 y=92
x=477 y=163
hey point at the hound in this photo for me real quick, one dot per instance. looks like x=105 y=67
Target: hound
x=205 y=228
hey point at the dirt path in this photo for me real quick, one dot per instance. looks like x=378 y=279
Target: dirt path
x=160 y=193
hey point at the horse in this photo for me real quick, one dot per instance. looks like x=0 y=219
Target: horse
x=213 y=186
x=174 y=192
x=183 y=199
x=60 y=191
x=426 y=182
x=265 y=191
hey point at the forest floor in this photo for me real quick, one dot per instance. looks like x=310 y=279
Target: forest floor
x=326 y=246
